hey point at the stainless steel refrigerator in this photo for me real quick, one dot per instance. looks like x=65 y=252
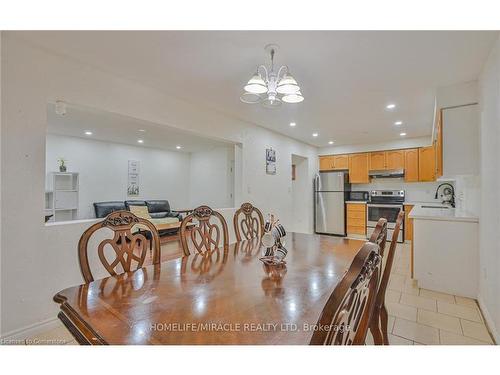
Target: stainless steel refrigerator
x=330 y=189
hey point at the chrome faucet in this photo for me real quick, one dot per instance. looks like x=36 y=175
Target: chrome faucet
x=452 y=193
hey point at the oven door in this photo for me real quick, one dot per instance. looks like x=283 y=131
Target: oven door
x=389 y=212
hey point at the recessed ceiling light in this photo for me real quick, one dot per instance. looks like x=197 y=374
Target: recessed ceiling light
x=140 y=141
x=398 y=123
x=178 y=147
x=402 y=134
x=315 y=134
x=142 y=130
x=390 y=106
x=330 y=143
x=88 y=133
x=292 y=124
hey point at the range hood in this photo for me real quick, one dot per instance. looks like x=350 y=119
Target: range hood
x=387 y=173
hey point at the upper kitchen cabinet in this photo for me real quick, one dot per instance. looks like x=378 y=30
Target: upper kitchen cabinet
x=427 y=163
x=411 y=165
x=395 y=159
x=439 y=144
x=333 y=162
x=377 y=160
x=383 y=160
x=325 y=163
x=358 y=168
x=340 y=162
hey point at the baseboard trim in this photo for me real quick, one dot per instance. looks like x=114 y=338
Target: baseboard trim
x=21 y=334
x=488 y=320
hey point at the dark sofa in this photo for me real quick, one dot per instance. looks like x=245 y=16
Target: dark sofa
x=158 y=208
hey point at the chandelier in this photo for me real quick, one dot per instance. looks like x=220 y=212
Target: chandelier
x=270 y=87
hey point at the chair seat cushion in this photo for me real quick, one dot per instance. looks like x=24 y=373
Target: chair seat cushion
x=140 y=211
x=165 y=220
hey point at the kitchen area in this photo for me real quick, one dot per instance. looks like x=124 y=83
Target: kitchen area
x=434 y=182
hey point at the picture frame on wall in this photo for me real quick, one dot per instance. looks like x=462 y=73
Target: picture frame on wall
x=270 y=161
x=133 y=179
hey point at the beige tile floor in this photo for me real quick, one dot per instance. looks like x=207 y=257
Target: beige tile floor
x=421 y=316
x=416 y=316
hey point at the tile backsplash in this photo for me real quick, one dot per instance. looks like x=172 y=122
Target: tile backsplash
x=415 y=191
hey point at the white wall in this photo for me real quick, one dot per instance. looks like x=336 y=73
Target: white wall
x=300 y=189
x=211 y=179
x=390 y=145
x=489 y=234
x=103 y=166
x=33 y=77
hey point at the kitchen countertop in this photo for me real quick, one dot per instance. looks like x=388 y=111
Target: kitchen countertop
x=449 y=214
x=356 y=202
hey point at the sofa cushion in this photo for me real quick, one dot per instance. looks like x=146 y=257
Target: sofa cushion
x=103 y=209
x=134 y=203
x=158 y=205
x=140 y=211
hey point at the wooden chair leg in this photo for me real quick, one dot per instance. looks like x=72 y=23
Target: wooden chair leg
x=384 y=318
x=375 y=328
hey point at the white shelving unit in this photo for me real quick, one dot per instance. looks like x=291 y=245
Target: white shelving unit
x=61 y=196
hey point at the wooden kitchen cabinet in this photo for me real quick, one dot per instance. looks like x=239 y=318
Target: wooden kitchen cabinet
x=395 y=159
x=411 y=165
x=427 y=163
x=439 y=144
x=356 y=218
x=408 y=223
x=333 y=162
x=358 y=168
x=340 y=161
x=383 y=160
x=377 y=160
x=325 y=163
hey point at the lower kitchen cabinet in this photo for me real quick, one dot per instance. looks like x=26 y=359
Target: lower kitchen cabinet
x=408 y=224
x=356 y=218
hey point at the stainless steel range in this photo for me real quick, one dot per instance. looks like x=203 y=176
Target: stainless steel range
x=386 y=204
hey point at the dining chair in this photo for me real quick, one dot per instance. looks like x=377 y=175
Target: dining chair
x=130 y=249
x=346 y=316
x=379 y=235
x=249 y=221
x=378 y=324
x=205 y=235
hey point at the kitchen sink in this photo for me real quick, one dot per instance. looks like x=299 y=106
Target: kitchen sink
x=443 y=207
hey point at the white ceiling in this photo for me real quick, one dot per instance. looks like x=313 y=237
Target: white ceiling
x=111 y=127
x=347 y=78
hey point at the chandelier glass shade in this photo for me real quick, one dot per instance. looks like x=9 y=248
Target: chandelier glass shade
x=270 y=87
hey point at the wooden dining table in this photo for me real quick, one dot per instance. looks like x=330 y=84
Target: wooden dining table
x=227 y=296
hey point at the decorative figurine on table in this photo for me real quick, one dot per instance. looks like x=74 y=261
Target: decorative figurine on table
x=273 y=242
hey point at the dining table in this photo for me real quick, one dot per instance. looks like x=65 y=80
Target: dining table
x=224 y=296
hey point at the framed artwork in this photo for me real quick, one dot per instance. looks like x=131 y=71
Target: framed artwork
x=133 y=178
x=270 y=161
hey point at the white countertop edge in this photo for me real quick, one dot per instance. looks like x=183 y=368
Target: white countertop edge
x=445 y=218
x=449 y=214
x=356 y=202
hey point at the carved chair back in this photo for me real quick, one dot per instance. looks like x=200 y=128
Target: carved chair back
x=130 y=249
x=346 y=316
x=205 y=235
x=379 y=235
x=249 y=221
x=380 y=316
